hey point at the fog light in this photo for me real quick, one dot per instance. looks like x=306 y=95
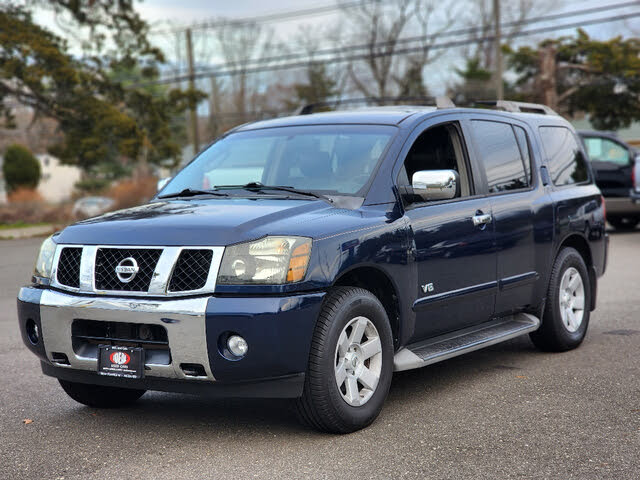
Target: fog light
x=32 y=331
x=237 y=345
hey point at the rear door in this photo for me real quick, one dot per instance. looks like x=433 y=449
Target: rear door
x=522 y=214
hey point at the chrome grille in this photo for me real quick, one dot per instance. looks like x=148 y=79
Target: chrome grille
x=107 y=259
x=191 y=271
x=68 y=271
x=170 y=271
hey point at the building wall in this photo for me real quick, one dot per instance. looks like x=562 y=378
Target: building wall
x=57 y=181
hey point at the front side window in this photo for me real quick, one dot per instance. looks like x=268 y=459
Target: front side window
x=501 y=156
x=338 y=159
x=605 y=150
x=564 y=159
x=437 y=148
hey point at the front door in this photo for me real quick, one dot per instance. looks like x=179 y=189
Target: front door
x=454 y=254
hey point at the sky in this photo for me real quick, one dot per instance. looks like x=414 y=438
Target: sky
x=163 y=13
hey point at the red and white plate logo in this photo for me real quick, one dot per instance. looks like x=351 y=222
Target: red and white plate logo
x=120 y=358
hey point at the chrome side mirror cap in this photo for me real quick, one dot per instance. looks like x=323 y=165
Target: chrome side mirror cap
x=436 y=184
x=162 y=182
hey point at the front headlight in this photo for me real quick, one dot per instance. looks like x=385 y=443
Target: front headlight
x=44 y=264
x=268 y=261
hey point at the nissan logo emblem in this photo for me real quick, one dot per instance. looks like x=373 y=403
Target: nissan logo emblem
x=127 y=269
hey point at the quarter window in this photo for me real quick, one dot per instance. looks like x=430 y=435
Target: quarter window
x=564 y=158
x=501 y=155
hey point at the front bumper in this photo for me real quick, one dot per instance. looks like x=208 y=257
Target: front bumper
x=277 y=329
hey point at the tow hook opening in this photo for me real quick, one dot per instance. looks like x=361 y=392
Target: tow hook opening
x=193 y=370
x=33 y=333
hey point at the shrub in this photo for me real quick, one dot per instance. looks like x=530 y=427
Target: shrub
x=133 y=192
x=92 y=186
x=20 y=168
x=26 y=206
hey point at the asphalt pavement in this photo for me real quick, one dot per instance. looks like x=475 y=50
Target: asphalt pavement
x=505 y=412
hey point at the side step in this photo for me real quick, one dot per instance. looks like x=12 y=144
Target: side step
x=457 y=343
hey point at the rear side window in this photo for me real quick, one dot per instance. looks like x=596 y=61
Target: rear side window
x=502 y=158
x=564 y=159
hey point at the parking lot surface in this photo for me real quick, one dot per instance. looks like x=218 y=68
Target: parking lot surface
x=505 y=412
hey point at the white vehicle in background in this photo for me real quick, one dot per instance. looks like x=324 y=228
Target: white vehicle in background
x=92 y=206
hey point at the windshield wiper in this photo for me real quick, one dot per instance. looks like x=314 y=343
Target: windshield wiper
x=190 y=192
x=259 y=187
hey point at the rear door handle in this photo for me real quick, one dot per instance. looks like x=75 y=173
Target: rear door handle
x=480 y=219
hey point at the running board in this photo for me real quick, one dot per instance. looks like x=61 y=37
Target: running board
x=457 y=343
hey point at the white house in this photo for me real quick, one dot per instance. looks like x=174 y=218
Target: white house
x=57 y=180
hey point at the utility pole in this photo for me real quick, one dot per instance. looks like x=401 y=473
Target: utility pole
x=194 y=107
x=498 y=50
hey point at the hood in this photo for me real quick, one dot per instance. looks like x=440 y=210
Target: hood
x=210 y=222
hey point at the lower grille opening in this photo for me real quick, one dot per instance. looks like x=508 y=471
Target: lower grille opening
x=59 y=358
x=87 y=335
x=193 y=370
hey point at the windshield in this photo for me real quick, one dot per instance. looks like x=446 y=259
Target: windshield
x=332 y=159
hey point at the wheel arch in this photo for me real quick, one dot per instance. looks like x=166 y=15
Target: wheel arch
x=382 y=286
x=581 y=245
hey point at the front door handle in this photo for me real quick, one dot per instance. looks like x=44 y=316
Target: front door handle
x=480 y=219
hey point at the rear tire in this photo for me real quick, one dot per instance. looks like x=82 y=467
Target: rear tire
x=624 y=223
x=99 y=396
x=350 y=363
x=566 y=314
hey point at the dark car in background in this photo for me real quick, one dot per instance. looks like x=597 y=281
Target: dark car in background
x=615 y=165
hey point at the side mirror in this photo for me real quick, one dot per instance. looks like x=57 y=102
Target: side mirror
x=162 y=182
x=436 y=184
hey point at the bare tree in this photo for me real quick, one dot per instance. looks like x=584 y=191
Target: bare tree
x=239 y=45
x=381 y=27
x=429 y=22
x=480 y=18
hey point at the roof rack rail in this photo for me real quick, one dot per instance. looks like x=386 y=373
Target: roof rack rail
x=518 y=107
x=438 y=102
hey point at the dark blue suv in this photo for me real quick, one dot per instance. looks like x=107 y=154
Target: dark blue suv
x=312 y=256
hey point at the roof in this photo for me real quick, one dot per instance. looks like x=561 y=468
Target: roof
x=389 y=115
x=392 y=115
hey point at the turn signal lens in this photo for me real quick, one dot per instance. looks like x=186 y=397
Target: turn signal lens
x=298 y=262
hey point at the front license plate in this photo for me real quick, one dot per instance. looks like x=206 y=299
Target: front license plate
x=124 y=362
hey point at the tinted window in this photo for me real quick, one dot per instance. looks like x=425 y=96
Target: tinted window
x=438 y=148
x=565 y=161
x=499 y=151
x=605 y=150
x=523 y=143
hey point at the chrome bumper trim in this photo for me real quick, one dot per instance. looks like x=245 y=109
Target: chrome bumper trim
x=184 y=320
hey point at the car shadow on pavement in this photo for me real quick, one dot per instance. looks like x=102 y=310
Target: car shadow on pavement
x=168 y=415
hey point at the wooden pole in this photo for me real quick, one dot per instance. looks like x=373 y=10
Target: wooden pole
x=194 y=107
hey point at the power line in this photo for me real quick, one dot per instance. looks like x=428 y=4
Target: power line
x=451 y=44
x=266 y=18
x=407 y=40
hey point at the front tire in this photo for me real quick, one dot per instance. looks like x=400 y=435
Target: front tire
x=99 y=396
x=350 y=363
x=566 y=314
